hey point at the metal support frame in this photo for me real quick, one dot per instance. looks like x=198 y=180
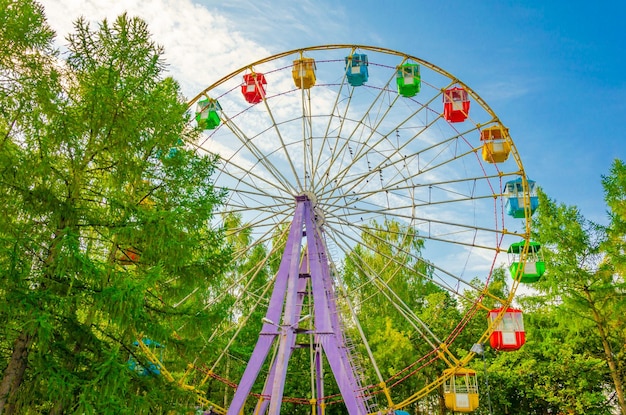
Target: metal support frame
x=304 y=258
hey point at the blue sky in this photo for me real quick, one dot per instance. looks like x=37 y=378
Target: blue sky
x=552 y=71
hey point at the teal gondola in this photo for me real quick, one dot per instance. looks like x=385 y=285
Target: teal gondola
x=517 y=202
x=356 y=69
x=151 y=368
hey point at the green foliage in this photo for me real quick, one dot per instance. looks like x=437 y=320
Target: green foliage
x=615 y=195
x=94 y=167
x=550 y=374
x=582 y=292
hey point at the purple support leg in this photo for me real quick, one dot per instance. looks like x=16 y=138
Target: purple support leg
x=327 y=321
x=269 y=332
x=288 y=291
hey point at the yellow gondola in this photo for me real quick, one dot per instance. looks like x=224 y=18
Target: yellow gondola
x=460 y=390
x=303 y=73
x=496 y=147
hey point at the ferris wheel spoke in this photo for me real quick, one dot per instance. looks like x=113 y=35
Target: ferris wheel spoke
x=237 y=329
x=401 y=168
x=241 y=201
x=365 y=208
x=421 y=195
x=326 y=146
x=421 y=327
x=383 y=288
x=241 y=285
x=471 y=188
x=260 y=155
x=236 y=173
x=358 y=125
x=283 y=146
x=405 y=208
x=351 y=238
x=307 y=139
x=261 y=227
x=364 y=150
x=439 y=277
x=441 y=231
x=472 y=185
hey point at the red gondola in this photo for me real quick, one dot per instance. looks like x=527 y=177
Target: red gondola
x=456 y=104
x=253 y=87
x=127 y=256
x=509 y=333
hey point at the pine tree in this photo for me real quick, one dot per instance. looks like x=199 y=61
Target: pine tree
x=108 y=223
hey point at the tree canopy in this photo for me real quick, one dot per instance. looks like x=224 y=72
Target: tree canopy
x=573 y=361
x=107 y=228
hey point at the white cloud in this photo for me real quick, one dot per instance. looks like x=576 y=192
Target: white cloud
x=200 y=46
x=206 y=40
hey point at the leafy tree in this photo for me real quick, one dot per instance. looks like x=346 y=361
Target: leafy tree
x=554 y=372
x=26 y=77
x=587 y=290
x=615 y=195
x=107 y=228
x=614 y=265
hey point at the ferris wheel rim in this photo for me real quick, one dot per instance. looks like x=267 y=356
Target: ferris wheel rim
x=365 y=47
x=286 y=192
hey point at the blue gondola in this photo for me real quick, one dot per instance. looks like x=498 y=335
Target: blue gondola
x=516 y=202
x=356 y=69
x=150 y=369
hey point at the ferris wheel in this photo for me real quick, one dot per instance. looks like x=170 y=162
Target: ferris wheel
x=371 y=200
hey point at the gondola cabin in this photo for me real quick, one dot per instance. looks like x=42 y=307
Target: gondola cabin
x=206 y=114
x=456 y=104
x=303 y=73
x=253 y=87
x=356 y=69
x=150 y=368
x=533 y=266
x=128 y=248
x=408 y=79
x=172 y=151
x=508 y=334
x=460 y=390
x=516 y=199
x=127 y=256
x=496 y=147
